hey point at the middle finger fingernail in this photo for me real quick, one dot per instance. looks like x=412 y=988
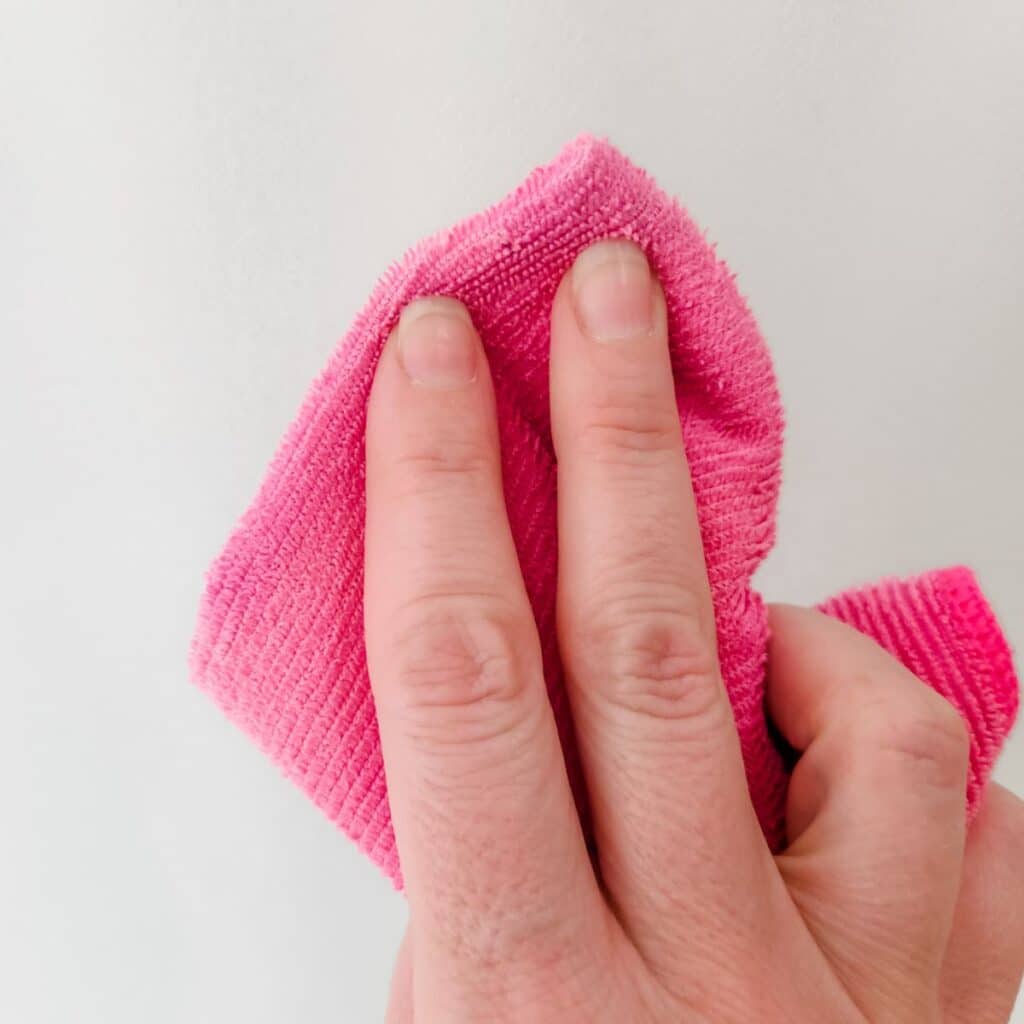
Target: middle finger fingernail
x=613 y=291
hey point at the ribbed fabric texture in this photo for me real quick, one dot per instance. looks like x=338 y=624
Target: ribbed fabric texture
x=279 y=643
x=940 y=626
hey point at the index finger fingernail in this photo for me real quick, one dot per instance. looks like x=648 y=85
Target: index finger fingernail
x=437 y=343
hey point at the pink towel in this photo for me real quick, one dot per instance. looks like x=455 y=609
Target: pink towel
x=279 y=643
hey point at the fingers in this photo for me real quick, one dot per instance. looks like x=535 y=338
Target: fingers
x=876 y=807
x=489 y=840
x=678 y=841
x=982 y=969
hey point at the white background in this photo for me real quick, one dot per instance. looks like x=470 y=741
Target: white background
x=195 y=199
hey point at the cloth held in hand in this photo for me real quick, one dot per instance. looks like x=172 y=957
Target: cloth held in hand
x=279 y=643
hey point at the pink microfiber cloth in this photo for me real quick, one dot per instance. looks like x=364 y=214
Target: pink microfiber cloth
x=280 y=638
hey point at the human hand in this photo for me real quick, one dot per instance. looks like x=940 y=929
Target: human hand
x=877 y=910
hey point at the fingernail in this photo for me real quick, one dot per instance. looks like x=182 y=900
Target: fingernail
x=613 y=291
x=437 y=343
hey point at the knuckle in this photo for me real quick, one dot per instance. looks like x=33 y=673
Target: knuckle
x=428 y=467
x=629 y=431
x=657 y=662
x=459 y=673
x=925 y=734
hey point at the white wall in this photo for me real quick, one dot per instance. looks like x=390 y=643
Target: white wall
x=195 y=198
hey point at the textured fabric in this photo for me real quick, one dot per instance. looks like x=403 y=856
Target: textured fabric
x=279 y=643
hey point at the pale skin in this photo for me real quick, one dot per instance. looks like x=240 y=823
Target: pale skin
x=883 y=907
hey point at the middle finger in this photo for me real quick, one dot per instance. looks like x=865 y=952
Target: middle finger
x=678 y=841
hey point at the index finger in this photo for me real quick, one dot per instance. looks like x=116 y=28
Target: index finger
x=486 y=825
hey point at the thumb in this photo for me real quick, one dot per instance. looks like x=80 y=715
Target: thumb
x=876 y=808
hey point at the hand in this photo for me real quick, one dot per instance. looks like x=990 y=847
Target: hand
x=876 y=911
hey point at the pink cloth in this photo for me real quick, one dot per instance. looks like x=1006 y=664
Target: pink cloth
x=279 y=643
